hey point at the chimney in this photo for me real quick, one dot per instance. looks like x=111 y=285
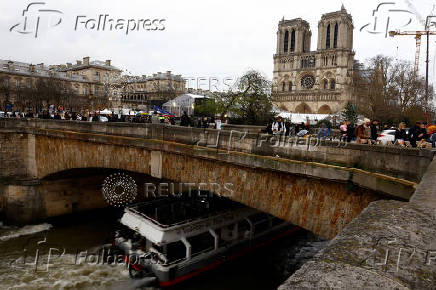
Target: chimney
x=41 y=65
x=10 y=65
x=86 y=60
x=168 y=72
x=32 y=68
x=69 y=65
x=51 y=71
x=144 y=76
x=79 y=62
x=108 y=62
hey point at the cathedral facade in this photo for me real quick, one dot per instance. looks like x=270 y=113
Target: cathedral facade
x=318 y=81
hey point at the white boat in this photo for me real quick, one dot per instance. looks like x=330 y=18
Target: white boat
x=171 y=240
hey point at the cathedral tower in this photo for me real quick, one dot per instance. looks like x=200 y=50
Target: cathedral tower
x=293 y=36
x=335 y=31
x=317 y=81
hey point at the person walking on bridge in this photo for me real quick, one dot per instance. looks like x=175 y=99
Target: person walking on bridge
x=278 y=127
x=363 y=132
x=184 y=120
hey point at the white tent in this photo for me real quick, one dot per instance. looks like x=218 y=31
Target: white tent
x=105 y=112
x=298 y=118
x=185 y=102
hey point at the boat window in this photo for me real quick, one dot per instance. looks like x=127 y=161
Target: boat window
x=228 y=233
x=261 y=227
x=243 y=229
x=258 y=217
x=221 y=242
x=201 y=242
x=176 y=251
x=276 y=221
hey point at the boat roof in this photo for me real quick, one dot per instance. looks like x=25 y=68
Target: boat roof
x=165 y=220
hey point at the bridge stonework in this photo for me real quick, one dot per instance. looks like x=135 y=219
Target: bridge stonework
x=321 y=207
x=322 y=198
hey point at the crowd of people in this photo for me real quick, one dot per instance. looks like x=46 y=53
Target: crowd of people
x=153 y=117
x=367 y=132
x=419 y=135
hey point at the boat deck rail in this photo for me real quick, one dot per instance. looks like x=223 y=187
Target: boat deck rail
x=136 y=209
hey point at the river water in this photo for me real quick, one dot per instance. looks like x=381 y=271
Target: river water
x=75 y=242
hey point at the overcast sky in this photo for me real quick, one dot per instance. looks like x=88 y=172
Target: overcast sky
x=201 y=38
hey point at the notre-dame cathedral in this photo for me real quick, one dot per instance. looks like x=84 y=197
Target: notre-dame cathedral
x=318 y=81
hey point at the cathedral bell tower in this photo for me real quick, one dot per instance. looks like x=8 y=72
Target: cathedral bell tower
x=335 y=31
x=293 y=36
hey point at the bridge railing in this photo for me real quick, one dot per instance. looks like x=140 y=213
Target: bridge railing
x=399 y=162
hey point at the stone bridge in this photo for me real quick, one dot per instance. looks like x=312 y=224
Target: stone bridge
x=320 y=187
x=378 y=204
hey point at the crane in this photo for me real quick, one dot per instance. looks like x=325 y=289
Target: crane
x=417 y=35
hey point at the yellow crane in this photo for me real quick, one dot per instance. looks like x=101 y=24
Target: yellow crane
x=417 y=35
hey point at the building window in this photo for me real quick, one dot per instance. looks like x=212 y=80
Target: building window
x=18 y=83
x=6 y=83
x=293 y=40
x=286 y=40
x=307 y=62
x=325 y=84
x=290 y=86
x=332 y=84
x=307 y=82
x=283 y=87
x=335 y=37
x=334 y=60
x=29 y=83
x=327 y=40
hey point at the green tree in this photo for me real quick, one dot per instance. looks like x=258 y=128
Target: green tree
x=248 y=101
x=208 y=107
x=349 y=113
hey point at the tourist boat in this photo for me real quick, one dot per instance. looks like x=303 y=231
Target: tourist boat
x=170 y=240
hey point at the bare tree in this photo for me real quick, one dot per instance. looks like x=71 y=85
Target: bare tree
x=388 y=90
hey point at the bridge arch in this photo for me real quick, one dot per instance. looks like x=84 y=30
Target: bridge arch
x=294 y=190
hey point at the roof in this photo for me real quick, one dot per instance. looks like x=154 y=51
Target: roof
x=183 y=99
x=92 y=64
x=195 y=96
x=40 y=70
x=157 y=76
x=163 y=223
